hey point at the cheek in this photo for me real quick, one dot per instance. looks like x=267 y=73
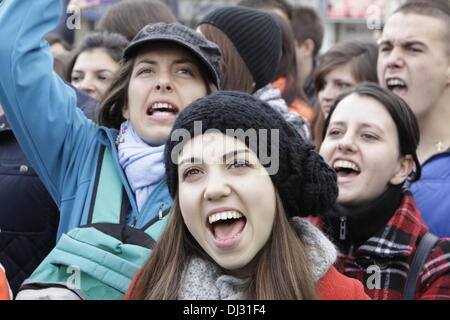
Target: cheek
x=325 y=150
x=188 y=211
x=262 y=200
x=126 y=113
x=195 y=92
x=380 y=67
x=320 y=96
x=188 y=202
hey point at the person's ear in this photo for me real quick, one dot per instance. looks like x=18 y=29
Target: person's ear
x=405 y=167
x=308 y=47
x=126 y=112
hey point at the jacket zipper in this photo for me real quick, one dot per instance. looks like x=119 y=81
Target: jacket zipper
x=160 y=212
x=134 y=221
x=343 y=228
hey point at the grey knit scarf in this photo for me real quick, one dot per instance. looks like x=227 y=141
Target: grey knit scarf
x=204 y=280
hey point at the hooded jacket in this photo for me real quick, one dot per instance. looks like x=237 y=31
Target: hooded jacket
x=60 y=142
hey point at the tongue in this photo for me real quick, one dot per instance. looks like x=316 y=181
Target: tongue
x=163 y=112
x=226 y=230
x=400 y=90
x=344 y=173
x=163 y=115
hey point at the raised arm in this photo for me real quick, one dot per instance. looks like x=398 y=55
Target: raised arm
x=40 y=107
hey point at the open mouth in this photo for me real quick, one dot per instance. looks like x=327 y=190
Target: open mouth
x=162 y=108
x=346 y=169
x=396 y=85
x=226 y=225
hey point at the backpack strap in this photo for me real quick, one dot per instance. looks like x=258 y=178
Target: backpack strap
x=108 y=203
x=423 y=251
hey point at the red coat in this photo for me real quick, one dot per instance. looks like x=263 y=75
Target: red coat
x=332 y=286
x=336 y=286
x=5 y=292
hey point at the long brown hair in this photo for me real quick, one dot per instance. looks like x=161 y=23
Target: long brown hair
x=236 y=75
x=283 y=269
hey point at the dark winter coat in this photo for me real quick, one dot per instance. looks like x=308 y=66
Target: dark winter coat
x=28 y=215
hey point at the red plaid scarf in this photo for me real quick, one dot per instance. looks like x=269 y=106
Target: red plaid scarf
x=382 y=263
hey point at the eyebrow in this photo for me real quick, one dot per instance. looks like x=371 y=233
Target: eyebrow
x=371 y=125
x=337 y=123
x=96 y=71
x=406 y=43
x=233 y=153
x=364 y=124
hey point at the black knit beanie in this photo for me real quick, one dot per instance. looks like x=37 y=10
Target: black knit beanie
x=256 y=36
x=306 y=184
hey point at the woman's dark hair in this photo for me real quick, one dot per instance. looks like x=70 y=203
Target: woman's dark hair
x=112 y=43
x=282 y=5
x=53 y=37
x=287 y=66
x=129 y=16
x=402 y=115
x=236 y=75
x=362 y=58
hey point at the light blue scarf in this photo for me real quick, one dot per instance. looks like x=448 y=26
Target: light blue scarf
x=142 y=163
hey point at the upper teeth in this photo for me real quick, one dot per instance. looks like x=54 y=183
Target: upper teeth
x=345 y=164
x=162 y=105
x=395 y=82
x=224 y=216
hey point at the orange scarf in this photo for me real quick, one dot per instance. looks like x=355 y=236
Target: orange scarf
x=298 y=106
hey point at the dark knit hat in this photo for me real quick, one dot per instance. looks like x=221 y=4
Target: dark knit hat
x=306 y=184
x=206 y=51
x=256 y=36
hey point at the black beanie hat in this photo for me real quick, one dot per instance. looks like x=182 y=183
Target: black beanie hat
x=256 y=36
x=306 y=184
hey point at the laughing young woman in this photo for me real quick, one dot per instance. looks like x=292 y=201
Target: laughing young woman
x=165 y=67
x=370 y=139
x=235 y=231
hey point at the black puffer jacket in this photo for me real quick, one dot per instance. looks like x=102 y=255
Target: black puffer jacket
x=28 y=216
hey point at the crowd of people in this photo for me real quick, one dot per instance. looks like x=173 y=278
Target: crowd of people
x=230 y=160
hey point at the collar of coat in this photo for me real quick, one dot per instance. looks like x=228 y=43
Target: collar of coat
x=400 y=234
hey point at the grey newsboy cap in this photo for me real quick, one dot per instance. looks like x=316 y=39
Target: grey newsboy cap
x=205 y=50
